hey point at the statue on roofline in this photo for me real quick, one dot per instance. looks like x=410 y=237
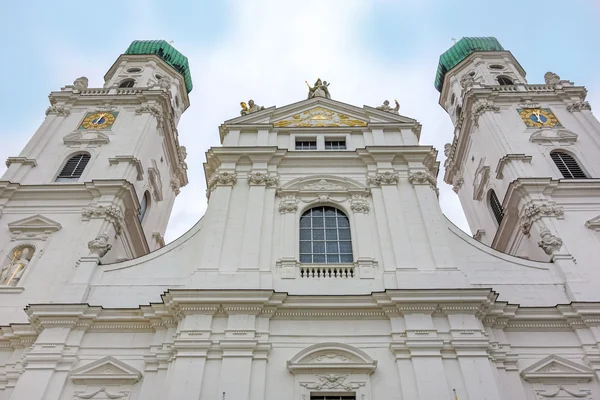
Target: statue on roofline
x=320 y=89
x=386 y=107
x=250 y=108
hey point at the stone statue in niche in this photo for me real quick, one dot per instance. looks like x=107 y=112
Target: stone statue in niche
x=80 y=83
x=250 y=108
x=386 y=107
x=13 y=271
x=320 y=89
x=551 y=78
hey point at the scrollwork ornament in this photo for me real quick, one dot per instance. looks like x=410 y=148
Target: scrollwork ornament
x=100 y=245
x=384 y=178
x=422 y=178
x=151 y=109
x=483 y=108
x=359 y=204
x=333 y=381
x=111 y=214
x=549 y=243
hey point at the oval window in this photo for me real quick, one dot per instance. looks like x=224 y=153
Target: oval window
x=134 y=70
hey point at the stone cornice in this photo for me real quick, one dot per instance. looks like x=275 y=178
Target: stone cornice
x=129 y=160
x=21 y=160
x=507 y=159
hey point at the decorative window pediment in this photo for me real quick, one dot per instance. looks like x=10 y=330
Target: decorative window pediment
x=106 y=371
x=33 y=227
x=329 y=358
x=550 y=136
x=89 y=138
x=558 y=371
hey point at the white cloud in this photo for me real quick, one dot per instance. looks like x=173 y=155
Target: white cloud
x=273 y=49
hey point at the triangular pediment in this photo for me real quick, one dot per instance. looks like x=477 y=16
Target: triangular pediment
x=554 y=135
x=557 y=369
x=104 y=371
x=34 y=223
x=324 y=357
x=323 y=183
x=320 y=112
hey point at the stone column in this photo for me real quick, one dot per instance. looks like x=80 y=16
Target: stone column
x=364 y=260
x=191 y=344
x=426 y=191
x=288 y=207
x=400 y=241
x=220 y=186
x=48 y=362
x=425 y=347
x=471 y=347
x=258 y=182
x=239 y=346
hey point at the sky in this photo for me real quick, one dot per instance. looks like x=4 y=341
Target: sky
x=368 y=50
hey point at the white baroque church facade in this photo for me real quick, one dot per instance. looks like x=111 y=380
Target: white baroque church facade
x=323 y=268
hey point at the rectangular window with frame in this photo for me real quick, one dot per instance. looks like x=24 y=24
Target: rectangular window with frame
x=339 y=144
x=306 y=144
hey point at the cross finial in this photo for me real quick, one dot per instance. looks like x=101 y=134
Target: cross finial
x=454 y=40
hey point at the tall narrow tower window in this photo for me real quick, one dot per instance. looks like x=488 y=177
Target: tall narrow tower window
x=127 y=83
x=505 y=80
x=567 y=165
x=496 y=207
x=325 y=236
x=73 y=167
x=144 y=202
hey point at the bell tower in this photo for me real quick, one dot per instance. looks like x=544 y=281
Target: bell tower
x=523 y=158
x=100 y=175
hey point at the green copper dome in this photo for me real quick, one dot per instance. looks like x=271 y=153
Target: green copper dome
x=461 y=50
x=169 y=55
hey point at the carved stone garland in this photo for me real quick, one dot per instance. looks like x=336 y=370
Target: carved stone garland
x=57 y=110
x=483 y=108
x=359 y=204
x=288 y=205
x=152 y=109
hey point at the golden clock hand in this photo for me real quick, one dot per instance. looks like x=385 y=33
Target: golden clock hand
x=99 y=118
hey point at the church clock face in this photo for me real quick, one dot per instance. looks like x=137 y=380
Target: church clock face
x=538 y=117
x=98 y=120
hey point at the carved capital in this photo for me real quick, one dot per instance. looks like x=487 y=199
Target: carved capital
x=288 y=205
x=359 y=204
x=58 y=110
x=549 y=243
x=536 y=211
x=478 y=110
x=263 y=179
x=151 y=109
x=384 y=178
x=421 y=178
x=111 y=214
x=579 y=106
x=220 y=179
x=100 y=245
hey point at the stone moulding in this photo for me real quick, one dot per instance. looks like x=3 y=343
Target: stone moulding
x=130 y=160
x=21 y=160
x=507 y=159
x=329 y=357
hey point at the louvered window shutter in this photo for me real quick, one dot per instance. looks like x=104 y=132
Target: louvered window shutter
x=74 y=167
x=496 y=207
x=567 y=165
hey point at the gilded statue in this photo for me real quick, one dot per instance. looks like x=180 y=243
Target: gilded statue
x=320 y=89
x=250 y=108
x=386 y=107
x=11 y=273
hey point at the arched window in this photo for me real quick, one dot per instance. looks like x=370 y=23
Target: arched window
x=127 y=83
x=144 y=203
x=14 y=265
x=73 y=168
x=496 y=207
x=325 y=236
x=505 y=80
x=567 y=165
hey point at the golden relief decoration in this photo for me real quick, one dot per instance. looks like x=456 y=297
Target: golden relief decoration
x=318 y=117
x=98 y=120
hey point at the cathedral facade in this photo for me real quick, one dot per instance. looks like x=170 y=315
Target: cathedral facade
x=323 y=268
